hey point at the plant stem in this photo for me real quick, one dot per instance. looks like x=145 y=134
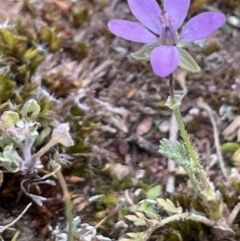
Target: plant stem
x=199 y=179
x=69 y=207
x=184 y=135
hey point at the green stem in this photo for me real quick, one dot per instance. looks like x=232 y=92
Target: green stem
x=69 y=207
x=181 y=127
x=205 y=189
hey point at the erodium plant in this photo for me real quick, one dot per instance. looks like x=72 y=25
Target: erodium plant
x=164 y=47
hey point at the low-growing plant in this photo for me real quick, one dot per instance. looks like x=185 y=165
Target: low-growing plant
x=18 y=135
x=165 y=50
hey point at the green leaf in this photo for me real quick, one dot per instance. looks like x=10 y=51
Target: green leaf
x=136 y=220
x=42 y=136
x=4 y=141
x=178 y=101
x=154 y=192
x=187 y=62
x=142 y=236
x=30 y=53
x=148 y=209
x=230 y=147
x=169 y=206
x=30 y=109
x=10 y=159
x=144 y=52
x=9 y=119
x=236 y=157
x=174 y=150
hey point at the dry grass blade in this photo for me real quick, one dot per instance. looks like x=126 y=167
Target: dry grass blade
x=3 y=228
x=209 y=110
x=170 y=187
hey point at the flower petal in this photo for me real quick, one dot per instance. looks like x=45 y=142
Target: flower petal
x=202 y=25
x=164 y=60
x=147 y=12
x=177 y=10
x=131 y=31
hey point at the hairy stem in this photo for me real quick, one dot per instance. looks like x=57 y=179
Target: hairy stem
x=198 y=179
x=184 y=135
x=192 y=154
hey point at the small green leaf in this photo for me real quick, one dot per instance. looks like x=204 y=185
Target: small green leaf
x=142 y=236
x=144 y=52
x=174 y=150
x=178 y=101
x=236 y=157
x=148 y=209
x=154 y=192
x=230 y=147
x=10 y=159
x=4 y=141
x=42 y=136
x=169 y=206
x=137 y=221
x=30 y=53
x=8 y=38
x=9 y=119
x=187 y=62
x=30 y=109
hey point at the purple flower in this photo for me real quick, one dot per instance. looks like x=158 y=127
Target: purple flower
x=164 y=44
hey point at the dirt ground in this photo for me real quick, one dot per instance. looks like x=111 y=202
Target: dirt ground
x=127 y=100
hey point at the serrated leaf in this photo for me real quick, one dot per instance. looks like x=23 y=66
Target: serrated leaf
x=30 y=109
x=144 y=52
x=187 y=62
x=169 y=206
x=154 y=192
x=9 y=119
x=173 y=150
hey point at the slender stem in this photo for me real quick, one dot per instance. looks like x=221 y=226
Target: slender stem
x=205 y=189
x=184 y=135
x=69 y=207
x=171 y=89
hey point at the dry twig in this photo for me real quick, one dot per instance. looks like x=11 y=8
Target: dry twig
x=170 y=187
x=3 y=228
x=202 y=104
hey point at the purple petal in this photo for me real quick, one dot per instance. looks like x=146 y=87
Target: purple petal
x=202 y=25
x=164 y=60
x=131 y=31
x=177 y=9
x=147 y=12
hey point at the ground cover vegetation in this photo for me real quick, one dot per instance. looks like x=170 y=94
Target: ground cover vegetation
x=100 y=144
